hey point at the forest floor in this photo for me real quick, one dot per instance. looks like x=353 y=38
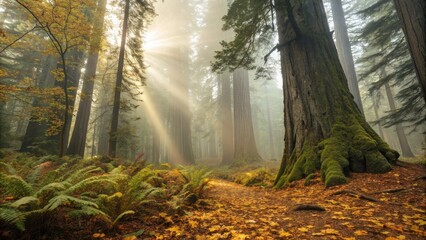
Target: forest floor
x=371 y=206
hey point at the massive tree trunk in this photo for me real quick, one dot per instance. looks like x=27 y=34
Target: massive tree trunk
x=344 y=50
x=117 y=91
x=403 y=142
x=324 y=128
x=244 y=142
x=78 y=138
x=413 y=19
x=227 y=137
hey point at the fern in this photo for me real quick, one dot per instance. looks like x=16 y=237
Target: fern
x=89 y=211
x=83 y=173
x=15 y=185
x=22 y=202
x=62 y=200
x=12 y=216
x=122 y=215
x=6 y=168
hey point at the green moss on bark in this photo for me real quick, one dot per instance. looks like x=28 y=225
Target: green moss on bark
x=350 y=147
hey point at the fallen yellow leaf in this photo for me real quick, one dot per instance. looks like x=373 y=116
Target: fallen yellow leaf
x=283 y=233
x=360 y=232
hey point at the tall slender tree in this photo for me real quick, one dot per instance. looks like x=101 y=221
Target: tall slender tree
x=344 y=50
x=118 y=84
x=78 y=137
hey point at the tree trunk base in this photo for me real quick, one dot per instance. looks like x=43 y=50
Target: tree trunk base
x=352 y=147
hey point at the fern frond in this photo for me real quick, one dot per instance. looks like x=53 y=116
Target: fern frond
x=13 y=216
x=89 y=211
x=51 y=187
x=122 y=215
x=24 y=201
x=83 y=173
x=62 y=199
x=7 y=168
x=15 y=185
x=107 y=182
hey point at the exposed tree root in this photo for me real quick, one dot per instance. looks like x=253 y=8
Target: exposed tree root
x=391 y=190
x=308 y=207
x=419 y=178
x=356 y=194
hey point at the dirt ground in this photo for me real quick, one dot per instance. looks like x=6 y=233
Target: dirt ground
x=371 y=206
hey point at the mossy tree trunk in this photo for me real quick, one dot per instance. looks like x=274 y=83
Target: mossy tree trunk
x=324 y=128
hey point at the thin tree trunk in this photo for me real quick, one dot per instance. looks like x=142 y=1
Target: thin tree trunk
x=376 y=114
x=412 y=16
x=118 y=83
x=227 y=137
x=79 y=134
x=344 y=50
x=403 y=142
x=271 y=133
x=244 y=142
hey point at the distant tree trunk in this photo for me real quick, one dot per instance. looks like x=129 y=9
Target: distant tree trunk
x=155 y=148
x=376 y=114
x=118 y=85
x=244 y=142
x=271 y=133
x=79 y=134
x=412 y=16
x=212 y=142
x=344 y=50
x=73 y=68
x=324 y=129
x=405 y=146
x=180 y=120
x=227 y=137
x=36 y=130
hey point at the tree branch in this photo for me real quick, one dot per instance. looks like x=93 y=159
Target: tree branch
x=19 y=38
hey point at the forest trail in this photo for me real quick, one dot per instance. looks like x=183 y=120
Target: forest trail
x=371 y=206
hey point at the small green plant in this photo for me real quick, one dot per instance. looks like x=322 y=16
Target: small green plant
x=65 y=195
x=133 y=192
x=196 y=180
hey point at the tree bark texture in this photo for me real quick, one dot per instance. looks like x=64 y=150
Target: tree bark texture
x=227 y=137
x=324 y=128
x=79 y=134
x=412 y=16
x=118 y=84
x=245 y=149
x=344 y=50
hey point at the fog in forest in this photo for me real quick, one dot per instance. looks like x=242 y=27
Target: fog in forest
x=178 y=110
x=212 y=119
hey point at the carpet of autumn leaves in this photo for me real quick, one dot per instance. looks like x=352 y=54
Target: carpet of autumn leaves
x=371 y=206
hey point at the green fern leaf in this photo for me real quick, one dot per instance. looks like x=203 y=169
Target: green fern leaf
x=65 y=199
x=24 y=201
x=122 y=215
